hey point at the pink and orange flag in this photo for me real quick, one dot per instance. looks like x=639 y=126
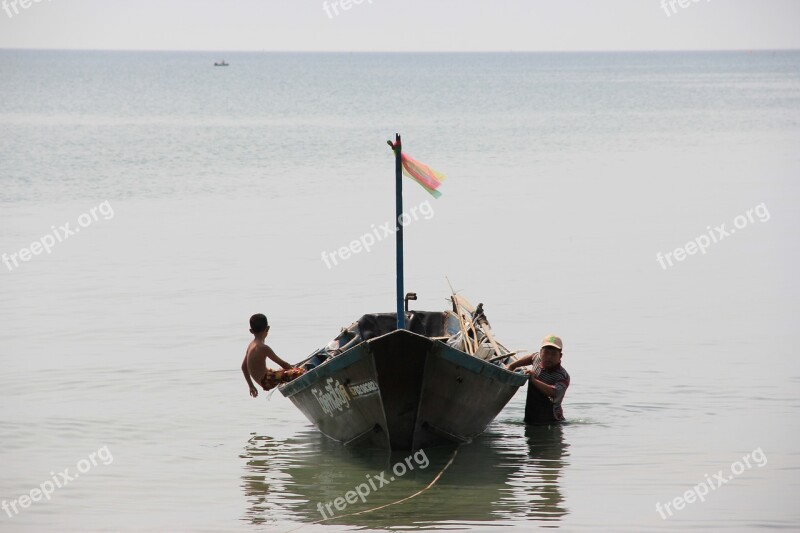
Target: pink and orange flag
x=422 y=174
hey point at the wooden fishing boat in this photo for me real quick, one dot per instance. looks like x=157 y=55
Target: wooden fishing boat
x=410 y=379
x=406 y=389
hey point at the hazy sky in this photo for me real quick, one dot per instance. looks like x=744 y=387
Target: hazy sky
x=397 y=25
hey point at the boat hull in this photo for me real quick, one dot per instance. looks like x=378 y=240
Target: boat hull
x=403 y=391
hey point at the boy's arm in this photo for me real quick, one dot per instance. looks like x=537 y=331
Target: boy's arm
x=253 y=389
x=274 y=357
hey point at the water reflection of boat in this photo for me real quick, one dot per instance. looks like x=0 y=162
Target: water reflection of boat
x=507 y=476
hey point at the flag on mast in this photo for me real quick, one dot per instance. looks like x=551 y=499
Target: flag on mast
x=422 y=174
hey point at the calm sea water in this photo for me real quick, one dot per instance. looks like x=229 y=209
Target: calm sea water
x=204 y=195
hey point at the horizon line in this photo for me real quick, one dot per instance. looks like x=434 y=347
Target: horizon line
x=250 y=51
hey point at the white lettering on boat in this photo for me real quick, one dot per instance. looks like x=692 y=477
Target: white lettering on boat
x=335 y=398
x=362 y=389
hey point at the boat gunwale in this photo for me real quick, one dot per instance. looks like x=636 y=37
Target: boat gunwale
x=345 y=359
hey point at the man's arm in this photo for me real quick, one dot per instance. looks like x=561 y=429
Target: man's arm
x=555 y=391
x=253 y=389
x=522 y=361
x=274 y=357
x=548 y=390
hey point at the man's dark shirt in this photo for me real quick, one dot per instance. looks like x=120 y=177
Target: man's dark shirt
x=540 y=408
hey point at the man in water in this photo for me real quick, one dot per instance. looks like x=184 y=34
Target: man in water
x=548 y=382
x=255 y=360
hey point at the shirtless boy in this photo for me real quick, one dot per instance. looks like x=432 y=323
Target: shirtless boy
x=255 y=360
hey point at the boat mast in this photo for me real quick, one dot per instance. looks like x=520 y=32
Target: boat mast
x=398 y=170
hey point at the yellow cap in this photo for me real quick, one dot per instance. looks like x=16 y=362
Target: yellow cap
x=552 y=340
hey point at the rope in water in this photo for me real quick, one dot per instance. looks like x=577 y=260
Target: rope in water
x=431 y=484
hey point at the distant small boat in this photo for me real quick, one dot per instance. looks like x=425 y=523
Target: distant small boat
x=220 y=63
